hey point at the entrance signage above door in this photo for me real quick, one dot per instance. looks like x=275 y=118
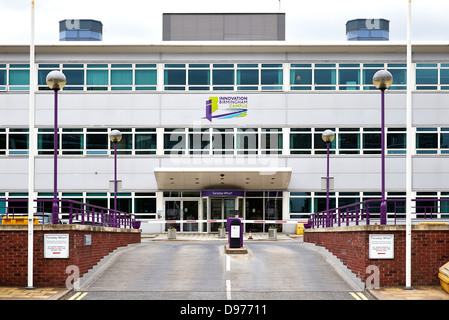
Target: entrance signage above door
x=222 y=193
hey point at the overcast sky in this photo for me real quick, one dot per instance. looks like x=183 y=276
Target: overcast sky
x=140 y=21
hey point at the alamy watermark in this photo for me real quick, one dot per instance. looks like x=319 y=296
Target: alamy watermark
x=72 y=281
x=373 y=280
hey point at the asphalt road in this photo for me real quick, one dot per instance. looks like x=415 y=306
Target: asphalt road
x=163 y=270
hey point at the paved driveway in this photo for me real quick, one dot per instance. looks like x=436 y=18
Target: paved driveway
x=202 y=271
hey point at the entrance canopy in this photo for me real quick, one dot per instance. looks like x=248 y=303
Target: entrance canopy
x=262 y=178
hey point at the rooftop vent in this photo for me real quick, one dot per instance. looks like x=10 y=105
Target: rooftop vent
x=368 y=30
x=80 y=30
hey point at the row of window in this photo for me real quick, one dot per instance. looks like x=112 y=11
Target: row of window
x=143 y=204
x=222 y=141
x=301 y=204
x=225 y=76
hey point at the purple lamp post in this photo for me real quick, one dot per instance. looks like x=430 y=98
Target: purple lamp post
x=328 y=136
x=115 y=136
x=56 y=81
x=382 y=80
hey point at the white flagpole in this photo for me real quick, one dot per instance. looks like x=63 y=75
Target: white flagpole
x=410 y=148
x=31 y=156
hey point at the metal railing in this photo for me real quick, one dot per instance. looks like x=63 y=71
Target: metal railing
x=77 y=212
x=368 y=212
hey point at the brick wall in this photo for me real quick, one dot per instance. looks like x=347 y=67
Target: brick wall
x=430 y=250
x=50 y=271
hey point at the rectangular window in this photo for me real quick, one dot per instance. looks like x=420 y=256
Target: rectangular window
x=396 y=141
x=426 y=142
x=300 y=78
x=174 y=141
x=199 y=79
x=18 y=141
x=175 y=77
x=271 y=141
x=399 y=73
x=247 y=140
x=368 y=72
x=145 y=205
x=348 y=142
x=325 y=78
x=145 y=77
x=121 y=77
x=72 y=141
x=2 y=77
x=19 y=79
x=300 y=202
x=349 y=79
x=318 y=142
x=426 y=76
x=145 y=143
x=223 y=141
x=75 y=79
x=96 y=141
x=271 y=77
x=300 y=141
x=371 y=141
x=223 y=77
x=97 y=79
x=45 y=141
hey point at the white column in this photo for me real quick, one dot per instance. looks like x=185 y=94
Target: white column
x=410 y=149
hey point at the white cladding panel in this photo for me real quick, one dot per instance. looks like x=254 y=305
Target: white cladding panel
x=189 y=109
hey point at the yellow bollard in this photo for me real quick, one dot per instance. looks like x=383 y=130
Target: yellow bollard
x=299 y=228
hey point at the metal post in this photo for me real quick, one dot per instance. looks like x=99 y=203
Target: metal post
x=383 y=205
x=115 y=176
x=327 y=188
x=55 y=207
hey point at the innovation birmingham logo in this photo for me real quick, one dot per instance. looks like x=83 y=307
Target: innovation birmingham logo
x=226 y=107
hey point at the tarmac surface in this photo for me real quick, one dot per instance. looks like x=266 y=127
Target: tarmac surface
x=388 y=293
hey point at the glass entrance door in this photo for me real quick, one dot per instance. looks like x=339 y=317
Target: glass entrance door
x=221 y=209
x=184 y=211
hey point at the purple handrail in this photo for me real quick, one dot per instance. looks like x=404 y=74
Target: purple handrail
x=79 y=212
x=83 y=213
x=362 y=212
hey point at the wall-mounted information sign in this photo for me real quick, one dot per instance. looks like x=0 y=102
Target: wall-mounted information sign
x=381 y=246
x=56 y=246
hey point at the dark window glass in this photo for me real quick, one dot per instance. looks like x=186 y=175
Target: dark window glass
x=301 y=76
x=247 y=77
x=97 y=141
x=426 y=76
x=74 y=77
x=145 y=205
x=396 y=140
x=444 y=76
x=325 y=76
x=18 y=141
x=300 y=205
x=349 y=76
x=146 y=77
x=174 y=77
x=348 y=141
x=199 y=77
x=426 y=140
x=300 y=141
x=175 y=140
x=271 y=76
x=223 y=77
x=371 y=141
x=145 y=141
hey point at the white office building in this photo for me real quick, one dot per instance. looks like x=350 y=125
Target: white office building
x=219 y=128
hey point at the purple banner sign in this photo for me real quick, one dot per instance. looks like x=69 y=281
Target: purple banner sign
x=222 y=193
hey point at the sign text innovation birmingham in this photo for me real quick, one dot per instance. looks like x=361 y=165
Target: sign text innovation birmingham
x=226 y=107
